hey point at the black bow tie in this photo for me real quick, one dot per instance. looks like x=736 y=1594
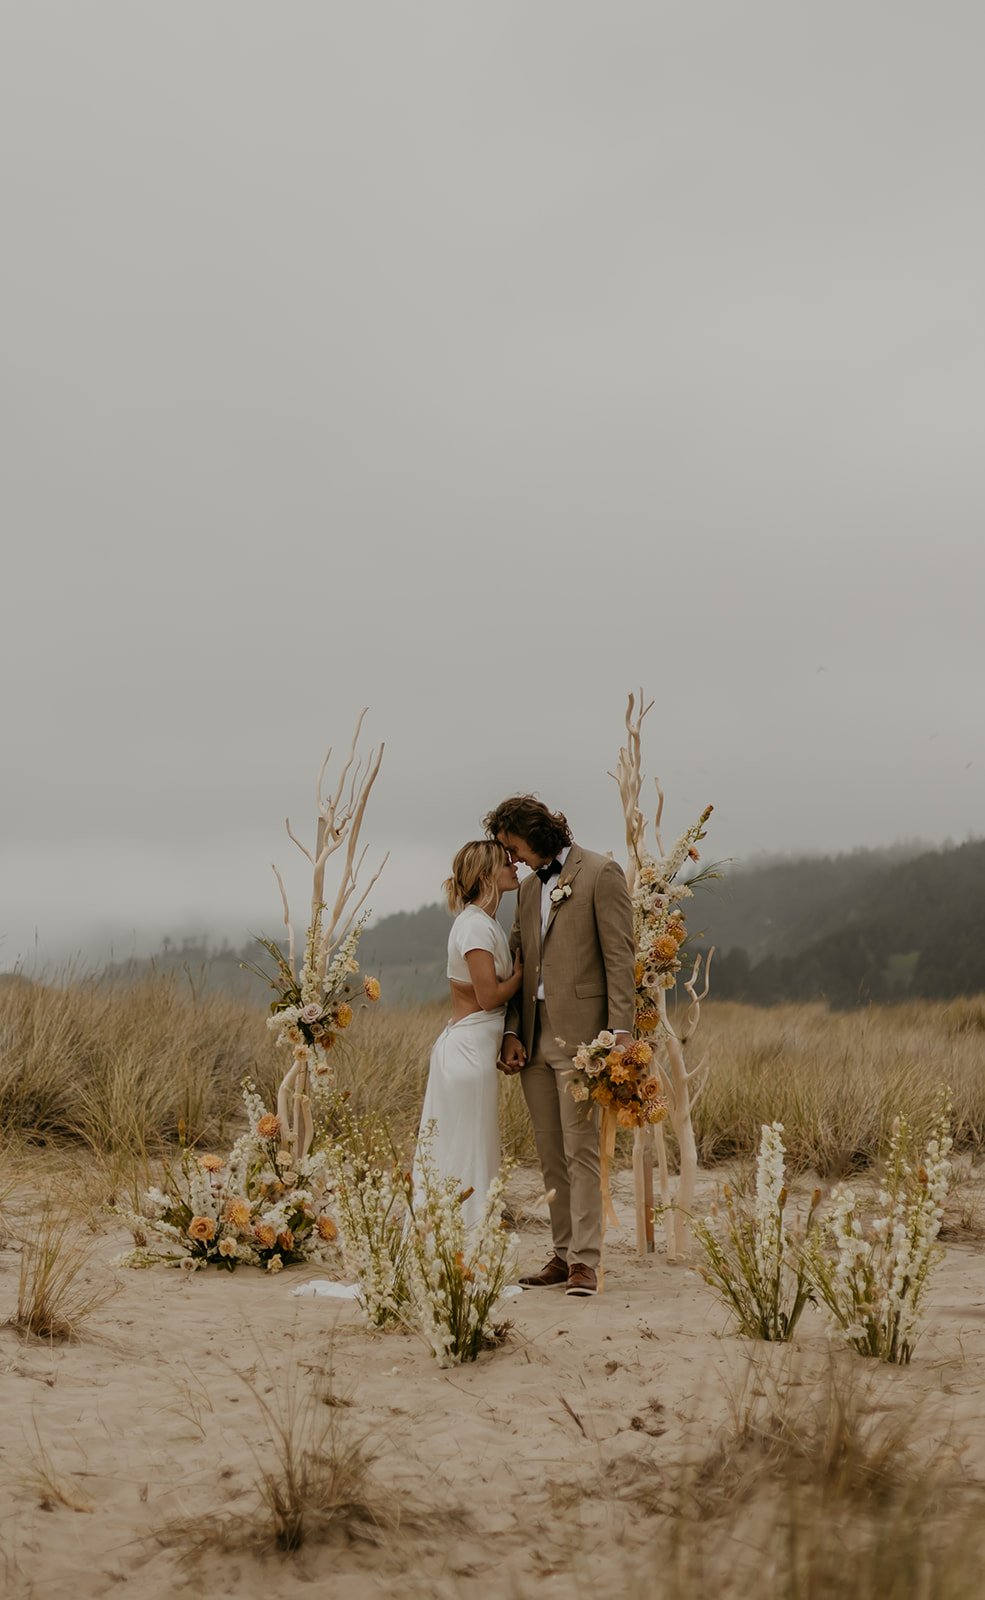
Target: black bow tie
x=552 y=870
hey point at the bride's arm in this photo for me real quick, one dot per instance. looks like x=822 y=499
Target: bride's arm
x=490 y=991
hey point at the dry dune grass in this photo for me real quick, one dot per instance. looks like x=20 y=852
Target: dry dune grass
x=818 y=1485
x=837 y=1080
x=312 y=1482
x=121 y=1070
x=56 y=1290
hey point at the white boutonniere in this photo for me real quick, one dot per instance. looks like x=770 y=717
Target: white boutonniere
x=560 y=893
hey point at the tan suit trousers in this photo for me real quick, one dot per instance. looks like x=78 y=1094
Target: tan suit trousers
x=567 y=1138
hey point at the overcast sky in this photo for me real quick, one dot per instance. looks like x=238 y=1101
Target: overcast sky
x=478 y=363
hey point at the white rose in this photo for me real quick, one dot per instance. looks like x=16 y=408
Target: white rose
x=311 y=1013
x=606 y=1039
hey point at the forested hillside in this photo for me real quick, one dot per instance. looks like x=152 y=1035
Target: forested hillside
x=869 y=925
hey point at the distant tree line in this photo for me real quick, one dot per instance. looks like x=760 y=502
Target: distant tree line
x=870 y=925
x=889 y=930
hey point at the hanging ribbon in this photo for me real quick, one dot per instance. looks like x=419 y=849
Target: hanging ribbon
x=607 y=1151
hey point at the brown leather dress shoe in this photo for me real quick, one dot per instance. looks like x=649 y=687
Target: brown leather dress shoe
x=554 y=1273
x=582 y=1280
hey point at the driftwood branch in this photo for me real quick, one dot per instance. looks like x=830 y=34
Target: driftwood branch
x=339 y=821
x=681 y=1084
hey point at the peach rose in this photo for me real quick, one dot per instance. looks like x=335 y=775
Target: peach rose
x=202 y=1228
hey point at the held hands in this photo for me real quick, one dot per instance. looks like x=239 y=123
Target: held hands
x=513 y=1057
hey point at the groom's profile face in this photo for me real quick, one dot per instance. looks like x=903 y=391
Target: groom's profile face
x=520 y=850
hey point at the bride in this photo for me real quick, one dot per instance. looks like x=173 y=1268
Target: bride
x=462 y=1096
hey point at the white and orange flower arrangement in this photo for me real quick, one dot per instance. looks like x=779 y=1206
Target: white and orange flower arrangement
x=312 y=1009
x=456 y=1275
x=659 y=925
x=253 y=1207
x=315 y=1005
x=620 y=1079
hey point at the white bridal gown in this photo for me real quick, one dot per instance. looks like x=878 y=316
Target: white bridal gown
x=462 y=1095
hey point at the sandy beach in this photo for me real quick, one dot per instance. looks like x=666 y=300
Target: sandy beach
x=547 y=1467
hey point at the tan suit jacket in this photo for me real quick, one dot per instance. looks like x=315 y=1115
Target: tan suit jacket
x=587 y=954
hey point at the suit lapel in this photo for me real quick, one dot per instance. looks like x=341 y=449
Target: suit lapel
x=530 y=917
x=569 y=873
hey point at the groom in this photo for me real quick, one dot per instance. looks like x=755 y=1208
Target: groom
x=574 y=930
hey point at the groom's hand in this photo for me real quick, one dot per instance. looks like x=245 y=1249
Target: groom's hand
x=623 y=1040
x=512 y=1057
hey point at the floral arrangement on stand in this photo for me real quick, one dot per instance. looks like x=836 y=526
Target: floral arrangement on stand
x=660 y=930
x=873 y=1277
x=620 y=1081
x=253 y=1207
x=314 y=1005
x=659 y=923
x=754 y=1260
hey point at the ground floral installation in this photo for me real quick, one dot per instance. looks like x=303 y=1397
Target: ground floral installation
x=260 y=1205
x=457 y=1275
x=254 y=1207
x=660 y=930
x=755 y=1260
x=873 y=1277
x=371 y=1192
x=404 y=1241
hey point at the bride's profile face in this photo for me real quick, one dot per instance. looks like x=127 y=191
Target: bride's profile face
x=507 y=879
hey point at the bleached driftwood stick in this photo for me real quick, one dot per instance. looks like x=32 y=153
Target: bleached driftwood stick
x=338 y=824
x=681 y=1084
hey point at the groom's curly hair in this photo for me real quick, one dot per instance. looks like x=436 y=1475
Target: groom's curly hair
x=545 y=831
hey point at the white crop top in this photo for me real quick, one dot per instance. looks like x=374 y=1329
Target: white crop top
x=472 y=929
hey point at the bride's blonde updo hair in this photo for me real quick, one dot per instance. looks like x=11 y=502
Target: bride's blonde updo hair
x=474 y=872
